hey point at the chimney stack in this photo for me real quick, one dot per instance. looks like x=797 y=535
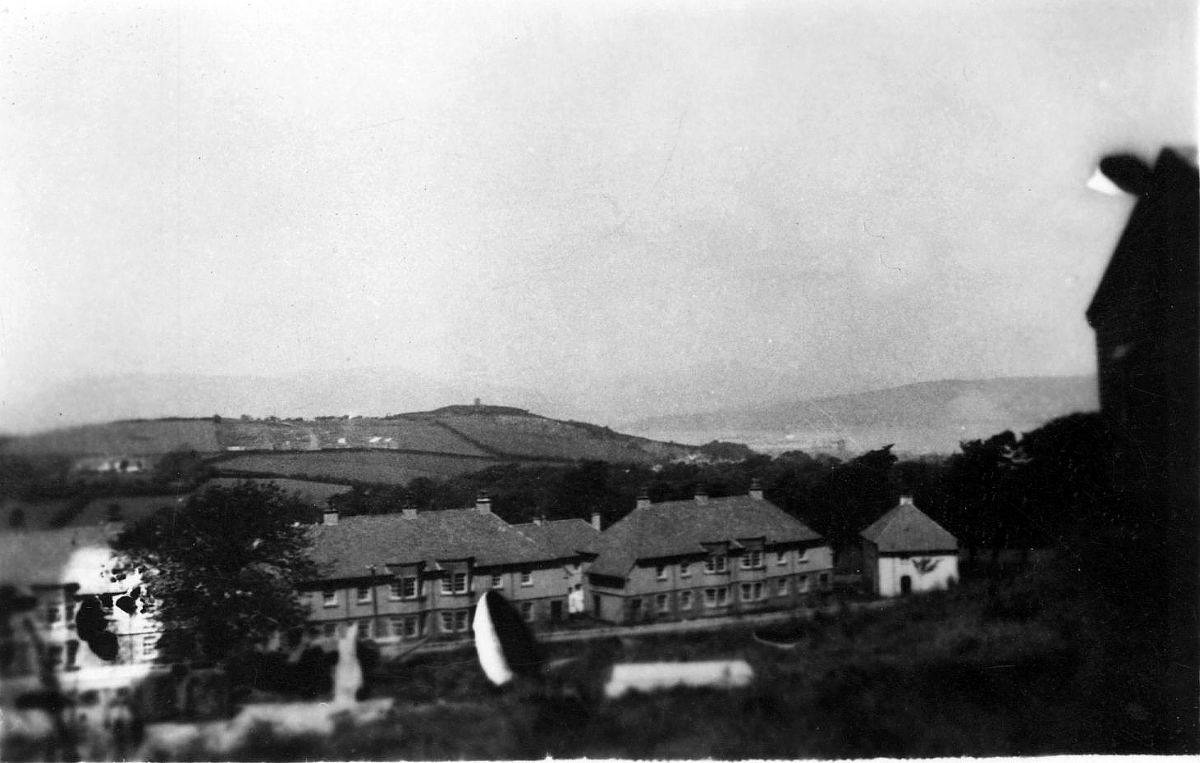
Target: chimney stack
x=329 y=517
x=643 y=499
x=483 y=504
x=538 y=520
x=701 y=494
x=906 y=499
x=756 y=489
x=596 y=519
x=409 y=512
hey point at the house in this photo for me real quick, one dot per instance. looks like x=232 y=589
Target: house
x=706 y=557
x=574 y=542
x=408 y=576
x=1146 y=317
x=1145 y=313
x=905 y=551
x=54 y=573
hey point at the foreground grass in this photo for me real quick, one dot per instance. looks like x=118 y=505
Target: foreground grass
x=1038 y=664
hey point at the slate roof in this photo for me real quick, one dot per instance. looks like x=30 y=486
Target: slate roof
x=906 y=529
x=345 y=550
x=679 y=528
x=562 y=537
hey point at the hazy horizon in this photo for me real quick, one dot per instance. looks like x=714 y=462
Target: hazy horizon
x=580 y=202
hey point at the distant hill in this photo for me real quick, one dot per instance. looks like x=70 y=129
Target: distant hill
x=927 y=417
x=395 y=449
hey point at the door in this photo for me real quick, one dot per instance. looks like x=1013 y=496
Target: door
x=556 y=611
x=905 y=584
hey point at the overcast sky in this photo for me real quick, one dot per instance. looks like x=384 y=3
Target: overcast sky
x=563 y=194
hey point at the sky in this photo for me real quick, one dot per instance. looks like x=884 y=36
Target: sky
x=566 y=195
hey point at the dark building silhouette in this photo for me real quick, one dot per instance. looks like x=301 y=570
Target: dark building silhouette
x=1146 y=318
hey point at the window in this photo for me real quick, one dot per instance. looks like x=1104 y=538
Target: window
x=364 y=594
x=149 y=646
x=752 y=560
x=716 y=597
x=70 y=610
x=527 y=611
x=635 y=607
x=660 y=572
x=330 y=630
x=454 y=583
x=455 y=620
x=404 y=588
x=802 y=584
x=685 y=599
x=685 y=570
x=405 y=627
x=752 y=591
x=329 y=598
x=72 y=651
x=802 y=555
x=662 y=604
x=781 y=587
x=526 y=578
x=52 y=614
x=824 y=578
x=497 y=581
x=781 y=557
x=364 y=629
x=716 y=564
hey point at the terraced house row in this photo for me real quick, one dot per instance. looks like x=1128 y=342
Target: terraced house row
x=411 y=576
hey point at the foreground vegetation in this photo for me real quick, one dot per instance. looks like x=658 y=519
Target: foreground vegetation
x=1046 y=662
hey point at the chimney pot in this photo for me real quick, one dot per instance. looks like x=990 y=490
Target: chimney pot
x=756 y=491
x=409 y=512
x=701 y=494
x=643 y=500
x=483 y=504
x=596 y=519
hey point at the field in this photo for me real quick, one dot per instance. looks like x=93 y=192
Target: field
x=382 y=467
x=392 y=434
x=536 y=437
x=315 y=493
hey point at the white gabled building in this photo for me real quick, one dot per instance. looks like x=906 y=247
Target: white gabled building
x=905 y=551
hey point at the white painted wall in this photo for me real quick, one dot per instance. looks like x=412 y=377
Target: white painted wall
x=939 y=571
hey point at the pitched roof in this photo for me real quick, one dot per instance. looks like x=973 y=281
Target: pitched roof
x=678 y=528
x=907 y=528
x=562 y=537
x=346 y=549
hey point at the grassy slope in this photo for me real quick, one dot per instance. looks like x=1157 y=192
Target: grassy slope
x=378 y=466
x=1038 y=665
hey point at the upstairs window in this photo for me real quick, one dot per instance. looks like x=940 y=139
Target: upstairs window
x=526 y=578
x=363 y=594
x=802 y=555
x=781 y=557
x=497 y=581
x=404 y=588
x=329 y=598
x=454 y=583
x=716 y=564
x=685 y=570
x=752 y=560
x=660 y=572
x=51 y=614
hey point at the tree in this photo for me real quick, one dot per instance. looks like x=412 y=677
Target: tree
x=224 y=567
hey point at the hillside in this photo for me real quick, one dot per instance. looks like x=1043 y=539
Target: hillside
x=441 y=442
x=919 y=418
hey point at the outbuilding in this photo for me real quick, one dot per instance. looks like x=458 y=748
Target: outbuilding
x=905 y=551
